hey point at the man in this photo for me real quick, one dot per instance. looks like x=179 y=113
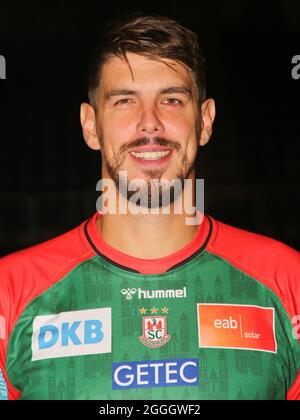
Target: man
x=143 y=300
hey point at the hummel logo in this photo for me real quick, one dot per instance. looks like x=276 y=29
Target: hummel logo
x=155 y=294
x=128 y=293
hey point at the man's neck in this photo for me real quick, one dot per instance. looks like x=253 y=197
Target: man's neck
x=146 y=236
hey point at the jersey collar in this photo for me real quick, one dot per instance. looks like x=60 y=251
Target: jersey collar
x=148 y=266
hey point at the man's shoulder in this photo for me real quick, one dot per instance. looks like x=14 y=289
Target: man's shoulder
x=271 y=262
x=238 y=242
x=47 y=258
x=28 y=273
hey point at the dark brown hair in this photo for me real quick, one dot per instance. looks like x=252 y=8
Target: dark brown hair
x=154 y=36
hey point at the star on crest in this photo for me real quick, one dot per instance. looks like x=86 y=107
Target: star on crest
x=143 y=311
x=154 y=310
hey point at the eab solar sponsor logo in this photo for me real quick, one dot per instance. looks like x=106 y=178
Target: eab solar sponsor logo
x=73 y=333
x=155 y=373
x=154 y=294
x=232 y=326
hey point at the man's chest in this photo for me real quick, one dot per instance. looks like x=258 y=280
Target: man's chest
x=197 y=334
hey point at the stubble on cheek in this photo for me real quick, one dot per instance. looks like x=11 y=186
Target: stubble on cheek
x=114 y=165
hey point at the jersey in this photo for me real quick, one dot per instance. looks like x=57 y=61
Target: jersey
x=80 y=320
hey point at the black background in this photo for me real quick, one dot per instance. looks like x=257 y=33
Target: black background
x=251 y=165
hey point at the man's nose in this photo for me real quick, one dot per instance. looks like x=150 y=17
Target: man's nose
x=149 y=121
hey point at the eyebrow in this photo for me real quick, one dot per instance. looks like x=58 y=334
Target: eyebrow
x=176 y=89
x=168 y=90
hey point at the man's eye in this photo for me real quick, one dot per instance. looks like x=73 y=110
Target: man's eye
x=172 y=101
x=123 y=101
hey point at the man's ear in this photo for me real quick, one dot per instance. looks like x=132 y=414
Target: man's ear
x=208 y=112
x=88 y=123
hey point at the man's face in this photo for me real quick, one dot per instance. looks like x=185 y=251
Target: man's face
x=147 y=119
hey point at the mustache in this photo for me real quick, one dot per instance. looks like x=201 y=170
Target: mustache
x=143 y=141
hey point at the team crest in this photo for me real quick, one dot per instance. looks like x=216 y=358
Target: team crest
x=155 y=331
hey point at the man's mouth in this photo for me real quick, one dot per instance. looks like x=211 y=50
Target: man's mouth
x=151 y=154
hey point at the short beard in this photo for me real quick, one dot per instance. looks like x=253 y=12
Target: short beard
x=155 y=194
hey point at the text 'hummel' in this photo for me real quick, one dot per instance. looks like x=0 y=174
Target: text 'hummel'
x=154 y=294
